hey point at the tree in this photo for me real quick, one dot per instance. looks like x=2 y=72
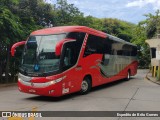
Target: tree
x=151 y=24
x=66 y=14
x=10 y=29
x=118 y=28
x=145 y=30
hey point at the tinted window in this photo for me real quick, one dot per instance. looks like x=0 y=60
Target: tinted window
x=98 y=45
x=134 y=51
x=108 y=46
x=69 y=55
x=126 y=50
x=79 y=36
x=126 y=53
x=120 y=52
x=95 y=45
x=153 y=51
x=71 y=50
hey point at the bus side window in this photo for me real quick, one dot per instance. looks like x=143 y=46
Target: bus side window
x=95 y=45
x=67 y=58
x=71 y=50
x=79 y=36
x=134 y=51
x=68 y=55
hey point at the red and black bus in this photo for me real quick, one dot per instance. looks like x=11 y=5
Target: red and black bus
x=62 y=60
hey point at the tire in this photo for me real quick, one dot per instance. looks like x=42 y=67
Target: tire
x=128 y=76
x=85 y=86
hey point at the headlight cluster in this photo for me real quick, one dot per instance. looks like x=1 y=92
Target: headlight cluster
x=57 y=80
x=41 y=85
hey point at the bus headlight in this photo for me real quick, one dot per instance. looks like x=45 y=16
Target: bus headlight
x=52 y=82
x=57 y=80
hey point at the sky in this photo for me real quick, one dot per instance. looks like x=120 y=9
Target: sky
x=128 y=10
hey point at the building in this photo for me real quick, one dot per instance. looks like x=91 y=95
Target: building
x=154 y=45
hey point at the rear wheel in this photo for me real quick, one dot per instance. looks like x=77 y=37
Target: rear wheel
x=85 y=86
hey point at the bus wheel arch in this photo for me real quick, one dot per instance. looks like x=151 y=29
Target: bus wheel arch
x=86 y=84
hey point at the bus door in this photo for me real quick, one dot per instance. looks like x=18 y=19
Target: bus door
x=71 y=70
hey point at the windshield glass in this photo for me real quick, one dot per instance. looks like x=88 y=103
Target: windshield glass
x=39 y=55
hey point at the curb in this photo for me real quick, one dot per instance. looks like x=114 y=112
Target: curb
x=151 y=79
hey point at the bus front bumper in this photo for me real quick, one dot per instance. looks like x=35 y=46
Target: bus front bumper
x=44 y=89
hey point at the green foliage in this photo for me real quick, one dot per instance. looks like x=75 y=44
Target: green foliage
x=145 y=30
x=11 y=30
x=10 y=26
x=66 y=14
x=144 y=56
x=118 y=28
x=151 y=24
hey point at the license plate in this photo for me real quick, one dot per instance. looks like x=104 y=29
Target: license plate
x=32 y=91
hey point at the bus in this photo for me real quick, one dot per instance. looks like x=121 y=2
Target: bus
x=62 y=60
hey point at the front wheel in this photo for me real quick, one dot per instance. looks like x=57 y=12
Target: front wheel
x=85 y=86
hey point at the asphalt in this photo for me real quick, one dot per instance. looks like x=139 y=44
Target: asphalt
x=7 y=85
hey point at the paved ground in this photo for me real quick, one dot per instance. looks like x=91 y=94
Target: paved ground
x=138 y=94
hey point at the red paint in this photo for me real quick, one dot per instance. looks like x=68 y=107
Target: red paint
x=63 y=29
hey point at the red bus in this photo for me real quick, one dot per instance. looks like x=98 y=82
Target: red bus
x=62 y=60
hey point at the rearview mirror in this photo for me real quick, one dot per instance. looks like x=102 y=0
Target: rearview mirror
x=14 y=46
x=60 y=44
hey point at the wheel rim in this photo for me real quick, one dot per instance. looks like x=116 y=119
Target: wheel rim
x=84 y=86
x=128 y=76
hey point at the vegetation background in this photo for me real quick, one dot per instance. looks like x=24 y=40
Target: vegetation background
x=18 y=18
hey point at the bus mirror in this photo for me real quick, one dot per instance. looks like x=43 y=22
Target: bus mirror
x=14 y=46
x=60 y=44
x=58 y=48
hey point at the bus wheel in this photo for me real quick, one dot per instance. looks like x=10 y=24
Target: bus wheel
x=85 y=86
x=128 y=75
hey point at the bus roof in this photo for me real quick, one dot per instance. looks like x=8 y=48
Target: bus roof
x=119 y=40
x=64 y=29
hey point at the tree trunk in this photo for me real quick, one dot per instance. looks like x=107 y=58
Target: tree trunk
x=7 y=64
x=1 y=62
x=0 y=72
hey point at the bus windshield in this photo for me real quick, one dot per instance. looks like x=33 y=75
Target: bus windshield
x=39 y=55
